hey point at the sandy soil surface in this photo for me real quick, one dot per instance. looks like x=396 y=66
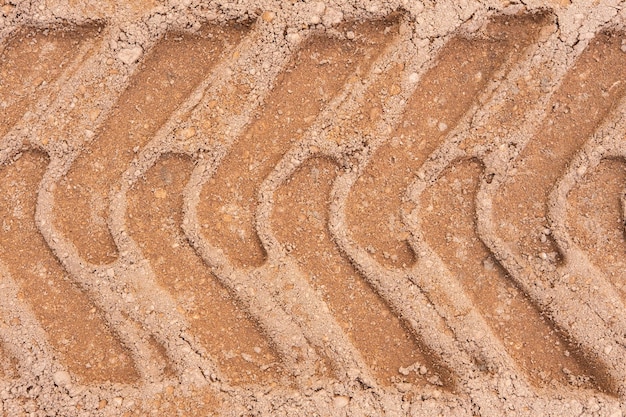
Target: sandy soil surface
x=285 y=208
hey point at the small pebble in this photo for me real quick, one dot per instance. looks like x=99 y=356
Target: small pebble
x=403 y=387
x=293 y=38
x=189 y=132
x=268 y=16
x=130 y=55
x=61 y=378
x=340 y=401
x=332 y=17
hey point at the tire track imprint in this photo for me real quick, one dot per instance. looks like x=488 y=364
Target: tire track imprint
x=349 y=62
x=595 y=219
x=281 y=173
x=578 y=274
x=449 y=228
x=300 y=219
x=494 y=121
x=465 y=66
x=94 y=353
x=175 y=66
x=397 y=356
x=164 y=349
x=319 y=71
x=499 y=30
x=154 y=221
x=572 y=118
x=235 y=83
x=434 y=301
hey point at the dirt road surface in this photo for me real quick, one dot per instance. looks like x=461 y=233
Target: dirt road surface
x=296 y=208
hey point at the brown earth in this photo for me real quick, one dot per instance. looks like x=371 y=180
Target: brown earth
x=309 y=209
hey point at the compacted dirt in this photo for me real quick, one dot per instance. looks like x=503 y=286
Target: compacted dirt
x=302 y=208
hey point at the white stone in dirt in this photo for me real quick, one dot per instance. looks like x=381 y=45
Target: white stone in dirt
x=373 y=8
x=293 y=38
x=61 y=378
x=332 y=17
x=130 y=55
x=340 y=401
x=316 y=12
x=414 y=7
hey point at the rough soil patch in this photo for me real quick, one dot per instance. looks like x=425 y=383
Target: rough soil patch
x=298 y=208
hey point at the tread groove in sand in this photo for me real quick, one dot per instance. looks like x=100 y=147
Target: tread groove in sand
x=318 y=72
x=532 y=257
x=252 y=218
x=572 y=118
x=92 y=353
x=175 y=66
x=474 y=79
x=450 y=229
x=465 y=67
x=154 y=219
x=300 y=219
x=595 y=219
x=41 y=57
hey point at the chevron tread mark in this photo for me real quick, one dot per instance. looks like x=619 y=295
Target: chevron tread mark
x=586 y=96
x=300 y=218
x=31 y=60
x=176 y=65
x=319 y=70
x=445 y=93
x=480 y=315
x=154 y=221
x=449 y=228
x=595 y=220
x=77 y=332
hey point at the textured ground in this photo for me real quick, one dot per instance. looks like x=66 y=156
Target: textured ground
x=296 y=208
